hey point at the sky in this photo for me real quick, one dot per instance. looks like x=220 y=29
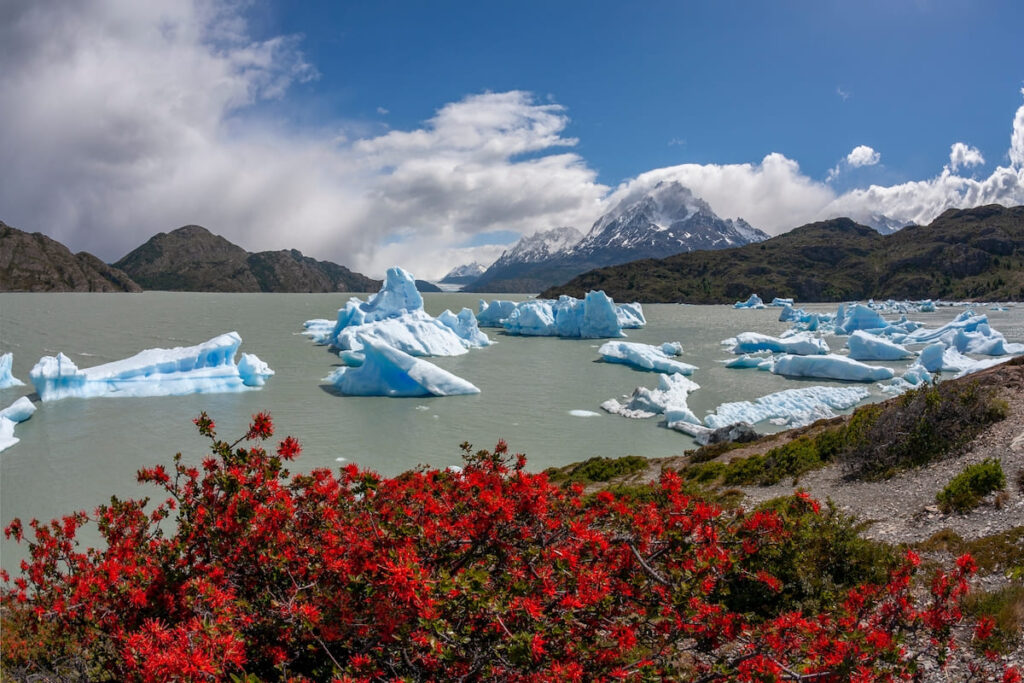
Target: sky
x=431 y=134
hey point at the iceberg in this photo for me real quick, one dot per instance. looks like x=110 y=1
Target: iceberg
x=631 y=316
x=201 y=369
x=595 y=316
x=793 y=407
x=386 y=371
x=753 y=302
x=858 y=317
x=954 y=361
x=19 y=411
x=493 y=314
x=779 y=301
x=643 y=357
x=926 y=306
x=6 y=378
x=830 y=366
x=865 y=346
x=395 y=316
x=801 y=343
x=669 y=399
x=749 y=361
x=672 y=349
x=967 y=333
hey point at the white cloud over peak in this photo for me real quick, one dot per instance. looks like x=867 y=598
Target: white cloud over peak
x=862 y=155
x=122 y=119
x=964 y=155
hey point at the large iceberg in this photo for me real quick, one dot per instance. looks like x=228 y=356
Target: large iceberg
x=6 y=378
x=201 y=369
x=792 y=407
x=857 y=317
x=386 y=371
x=866 y=346
x=967 y=333
x=669 y=399
x=19 y=411
x=643 y=357
x=395 y=316
x=595 y=316
x=802 y=343
x=830 y=366
x=494 y=313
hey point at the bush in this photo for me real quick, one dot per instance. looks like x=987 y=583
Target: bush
x=599 y=469
x=965 y=491
x=491 y=573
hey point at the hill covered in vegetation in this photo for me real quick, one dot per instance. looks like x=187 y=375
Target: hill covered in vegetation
x=963 y=254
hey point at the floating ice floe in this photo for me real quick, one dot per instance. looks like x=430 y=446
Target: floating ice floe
x=201 y=369
x=672 y=349
x=395 y=316
x=669 y=399
x=801 y=343
x=643 y=357
x=857 y=317
x=866 y=346
x=967 y=333
x=19 y=411
x=386 y=371
x=830 y=366
x=6 y=378
x=761 y=362
x=494 y=313
x=778 y=301
x=594 y=317
x=754 y=301
x=792 y=407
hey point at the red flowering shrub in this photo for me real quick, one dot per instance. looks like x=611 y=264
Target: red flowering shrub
x=487 y=573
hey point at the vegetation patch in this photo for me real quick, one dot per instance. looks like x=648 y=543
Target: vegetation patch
x=598 y=469
x=966 y=490
x=1005 y=608
x=1002 y=552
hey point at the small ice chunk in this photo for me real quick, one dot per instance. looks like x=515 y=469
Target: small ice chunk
x=745 y=361
x=584 y=413
x=754 y=301
x=800 y=343
x=672 y=349
x=865 y=346
x=794 y=407
x=643 y=357
x=386 y=371
x=669 y=399
x=779 y=301
x=19 y=411
x=830 y=366
x=201 y=369
x=6 y=378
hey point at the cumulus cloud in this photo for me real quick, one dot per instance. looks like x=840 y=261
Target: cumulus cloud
x=964 y=155
x=862 y=155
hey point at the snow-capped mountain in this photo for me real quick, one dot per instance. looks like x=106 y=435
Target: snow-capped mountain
x=541 y=246
x=462 y=275
x=664 y=221
x=884 y=224
x=667 y=220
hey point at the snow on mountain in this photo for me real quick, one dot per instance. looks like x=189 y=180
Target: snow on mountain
x=460 y=275
x=540 y=246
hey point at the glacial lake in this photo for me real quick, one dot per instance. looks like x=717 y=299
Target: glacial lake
x=76 y=453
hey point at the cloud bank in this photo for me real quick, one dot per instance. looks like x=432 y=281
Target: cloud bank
x=123 y=119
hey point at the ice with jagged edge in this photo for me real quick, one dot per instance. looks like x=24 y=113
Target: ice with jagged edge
x=644 y=357
x=6 y=378
x=395 y=316
x=493 y=314
x=19 y=411
x=857 y=317
x=801 y=344
x=754 y=301
x=595 y=316
x=830 y=366
x=791 y=407
x=781 y=302
x=205 y=368
x=386 y=371
x=669 y=399
x=967 y=333
x=866 y=346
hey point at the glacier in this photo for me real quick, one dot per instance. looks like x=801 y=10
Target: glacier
x=6 y=378
x=669 y=399
x=387 y=371
x=201 y=369
x=643 y=357
x=831 y=366
x=791 y=407
x=19 y=411
x=395 y=316
x=754 y=301
x=801 y=343
x=866 y=346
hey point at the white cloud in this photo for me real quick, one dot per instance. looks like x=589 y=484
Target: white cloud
x=842 y=93
x=1017 y=139
x=862 y=155
x=963 y=155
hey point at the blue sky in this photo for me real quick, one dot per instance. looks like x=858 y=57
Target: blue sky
x=432 y=133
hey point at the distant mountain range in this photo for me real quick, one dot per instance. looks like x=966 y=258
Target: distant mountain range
x=189 y=259
x=963 y=254
x=462 y=275
x=667 y=220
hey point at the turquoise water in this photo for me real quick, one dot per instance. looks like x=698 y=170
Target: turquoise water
x=75 y=453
